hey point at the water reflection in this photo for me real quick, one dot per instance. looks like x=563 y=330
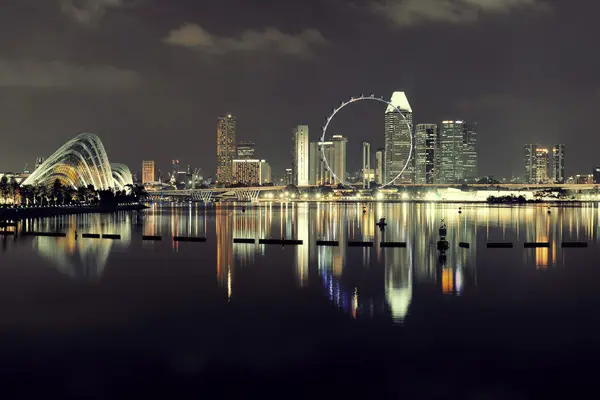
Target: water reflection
x=362 y=282
x=76 y=256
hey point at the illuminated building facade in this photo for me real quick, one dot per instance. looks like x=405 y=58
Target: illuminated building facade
x=337 y=157
x=246 y=151
x=558 y=163
x=470 y=164
x=251 y=172
x=451 y=146
x=82 y=161
x=148 y=171
x=426 y=151
x=379 y=167
x=530 y=163
x=288 y=177
x=398 y=143
x=226 y=133
x=537 y=164
x=542 y=157
x=121 y=175
x=335 y=152
x=366 y=164
x=300 y=155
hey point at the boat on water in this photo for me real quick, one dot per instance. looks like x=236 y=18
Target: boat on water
x=381 y=223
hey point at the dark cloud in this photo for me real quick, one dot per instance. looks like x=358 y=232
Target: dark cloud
x=414 y=12
x=193 y=36
x=56 y=74
x=91 y=11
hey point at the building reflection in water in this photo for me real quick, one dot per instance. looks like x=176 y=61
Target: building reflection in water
x=80 y=257
x=361 y=281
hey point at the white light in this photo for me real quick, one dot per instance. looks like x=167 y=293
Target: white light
x=380 y=196
x=405 y=196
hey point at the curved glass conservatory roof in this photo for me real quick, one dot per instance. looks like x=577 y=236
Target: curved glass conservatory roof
x=82 y=161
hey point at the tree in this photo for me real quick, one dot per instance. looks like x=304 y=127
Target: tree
x=57 y=191
x=13 y=189
x=26 y=193
x=4 y=187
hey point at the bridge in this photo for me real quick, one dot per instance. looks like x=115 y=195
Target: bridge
x=208 y=195
x=253 y=193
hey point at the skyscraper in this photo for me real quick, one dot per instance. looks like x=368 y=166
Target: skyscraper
x=246 y=150
x=319 y=173
x=379 y=163
x=542 y=165
x=470 y=152
x=300 y=155
x=314 y=162
x=288 y=178
x=537 y=164
x=335 y=152
x=558 y=163
x=366 y=163
x=426 y=149
x=451 y=146
x=530 y=163
x=147 y=171
x=337 y=158
x=398 y=133
x=226 y=132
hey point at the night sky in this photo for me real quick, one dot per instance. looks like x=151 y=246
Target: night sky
x=150 y=77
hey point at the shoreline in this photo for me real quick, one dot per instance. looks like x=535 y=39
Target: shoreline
x=562 y=203
x=40 y=212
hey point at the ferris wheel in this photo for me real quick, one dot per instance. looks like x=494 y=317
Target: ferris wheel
x=371 y=97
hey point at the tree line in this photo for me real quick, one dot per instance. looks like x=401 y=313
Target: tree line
x=60 y=194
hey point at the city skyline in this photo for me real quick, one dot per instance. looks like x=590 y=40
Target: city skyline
x=156 y=96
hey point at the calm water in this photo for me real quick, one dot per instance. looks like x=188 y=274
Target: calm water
x=99 y=318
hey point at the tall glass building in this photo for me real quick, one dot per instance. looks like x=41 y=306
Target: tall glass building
x=226 y=132
x=558 y=163
x=426 y=149
x=543 y=165
x=335 y=152
x=398 y=133
x=300 y=155
x=451 y=148
x=530 y=163
x=337 y=157
x=379 y=167
x=537 y=164
x=470 y=152
x=148 y=171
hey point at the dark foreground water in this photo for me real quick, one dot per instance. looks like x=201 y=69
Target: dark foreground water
x=99 y=318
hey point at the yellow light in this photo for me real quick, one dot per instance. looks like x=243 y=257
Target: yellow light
x=380 y=196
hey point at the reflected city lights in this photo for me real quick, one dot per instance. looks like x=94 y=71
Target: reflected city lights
x=387 y=278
